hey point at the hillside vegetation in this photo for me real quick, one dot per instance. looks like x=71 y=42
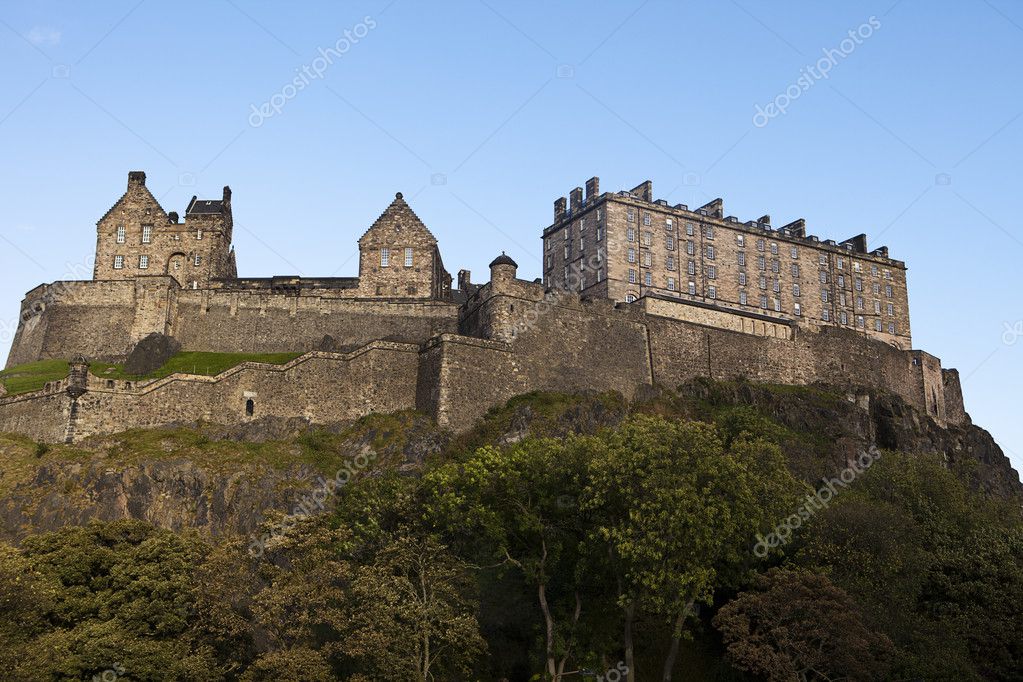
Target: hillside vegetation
x=681 y=537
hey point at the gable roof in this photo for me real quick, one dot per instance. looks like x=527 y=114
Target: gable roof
x=125 y=196
x=401 y=216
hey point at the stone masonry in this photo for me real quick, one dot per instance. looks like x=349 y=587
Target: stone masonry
x=401 y=338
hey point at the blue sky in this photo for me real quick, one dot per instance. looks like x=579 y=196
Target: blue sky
x=484 y=112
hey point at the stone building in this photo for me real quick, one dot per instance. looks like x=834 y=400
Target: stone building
x=627 y=245
x=677 y=294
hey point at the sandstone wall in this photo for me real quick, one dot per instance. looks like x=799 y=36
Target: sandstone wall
x=42 y=415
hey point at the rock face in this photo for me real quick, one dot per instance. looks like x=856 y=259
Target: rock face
x=150 y=354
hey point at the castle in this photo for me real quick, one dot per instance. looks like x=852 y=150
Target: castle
x=635 y=294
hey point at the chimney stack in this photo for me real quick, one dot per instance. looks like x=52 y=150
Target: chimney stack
x=464 y=280
x=136 y=178
x=172 y=218
x=592 y=188
x=559 y=208
x=576 y=199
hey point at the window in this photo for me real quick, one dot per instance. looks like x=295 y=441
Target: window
x=692 y=288
x=632 y=276
x=824 y=296
x=120 y=234
x=568 y=250
x=775 y=266
x=250 y=407
x=873 y=272
x=887 y=274
x=888 y=290
x=712 y=272
x=777 y=306
x=841 y=298
x=668 y=225
x=408 y=256
x=147 y=234
x=841 y=263
x=671 y=263
x=795 y=252
x=742 y=259
x=630 y=298
x=844 y=316
x=824 y=276
x=826 y=315
x=692 y=267
x=797 y=309
x=118 y=262
x=630 y=234
x=742 y=279
x=761 y=263
x=631 y=255
x=143 y=262
x=859 y=284
x=774 y=249
x=859 y=321
x=648 y=279
x=763 y=282
x=689 y=229
x=709 y=232
x=859 y=303
x=646 y=218
x=198 y=260
x=710 y=252
x=856 y=266
x=877 y=325
x=600 y=274
x=742 y=298
x=600 y=233
x=550 y=261
x=795 y=290
x=891 y=310
x=823 y=259
x=712 y=292
x=760 y=245
x=582 y=243
x=740 y=239
x=385 y=258
x=877 y=289
x=648 y=238
x=198 y=234
x=795 y=269
x=631 y=215
x=647 y=259
x=671 y=284
x=841 y=281
x=690 y=248
x=891 y=327
x=877 y=307
x=777 y=287
x=670 y=243
x=763 y=302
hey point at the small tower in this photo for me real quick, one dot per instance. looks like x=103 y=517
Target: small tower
x=78 y=377
x=502 y=271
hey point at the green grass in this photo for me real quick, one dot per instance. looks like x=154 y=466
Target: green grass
x=193 y=362
x=33 y=376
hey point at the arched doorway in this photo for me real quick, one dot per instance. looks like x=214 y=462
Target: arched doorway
x=176 y=267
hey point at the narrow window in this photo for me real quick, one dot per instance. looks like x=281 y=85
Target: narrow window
x=198 y=234
x=648 y=279
x=250 y=407
x=671 y=263
x=740 y=239
x=385 y=258
x=795 y=290
x=692 y=288
x=147 y=234
x=632 y=276
x=742 y=279
x=671 y=284
x=826 y=315
x=408 y=256
x=797 y=309
x=692 y=267
x=198 y=260
x=742 y=298
x=689 y=229
x=742 y=259
x=712 y=292
x=632 y=255
x=120 y=234
x=710 y=252
x=119 y=263
x=647 y=259
x=143 y=262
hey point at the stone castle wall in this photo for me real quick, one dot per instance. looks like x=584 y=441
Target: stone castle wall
x=509 y=338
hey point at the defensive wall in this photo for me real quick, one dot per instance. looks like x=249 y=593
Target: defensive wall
x=510 y=337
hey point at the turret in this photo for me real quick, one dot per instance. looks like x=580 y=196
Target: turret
x=502 y=270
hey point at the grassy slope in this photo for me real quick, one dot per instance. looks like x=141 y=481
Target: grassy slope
x=33 y=376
